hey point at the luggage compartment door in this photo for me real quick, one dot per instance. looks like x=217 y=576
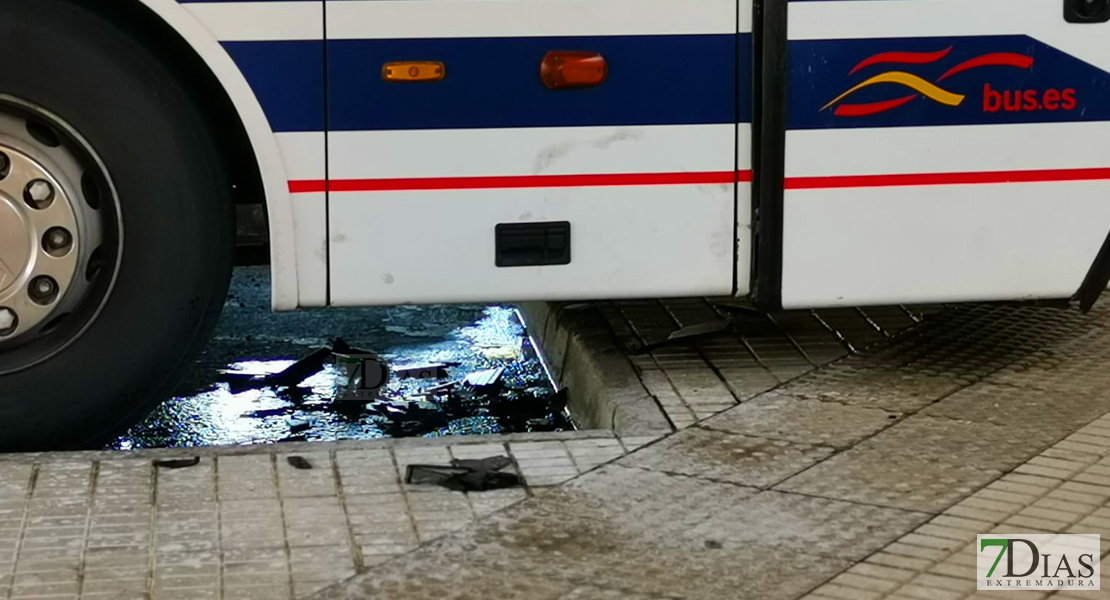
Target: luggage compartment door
x=944 y=150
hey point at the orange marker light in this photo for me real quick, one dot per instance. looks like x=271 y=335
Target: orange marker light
x=414 y=71
x=570 y=70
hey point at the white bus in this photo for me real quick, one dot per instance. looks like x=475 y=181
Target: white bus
x=807 y=153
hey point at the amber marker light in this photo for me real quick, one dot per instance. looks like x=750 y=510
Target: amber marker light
x=414 y=71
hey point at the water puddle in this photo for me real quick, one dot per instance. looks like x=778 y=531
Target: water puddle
x=482 y=338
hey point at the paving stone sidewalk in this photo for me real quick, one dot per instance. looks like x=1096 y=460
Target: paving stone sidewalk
x=866 y=476
x=799 y=470
x=244 y=523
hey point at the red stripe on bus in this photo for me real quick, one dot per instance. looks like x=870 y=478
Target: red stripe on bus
x=308 y=186
x=908 y=179
x=700 y=178
x=519 y=181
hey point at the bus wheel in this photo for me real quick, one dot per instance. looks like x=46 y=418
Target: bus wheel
x=116 y=228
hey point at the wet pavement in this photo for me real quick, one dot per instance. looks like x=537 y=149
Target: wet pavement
x=801 y=470
x=863 y=477
x=251 y=340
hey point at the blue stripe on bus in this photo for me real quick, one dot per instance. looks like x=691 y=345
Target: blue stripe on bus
x=287 y=78
x=494 y=82
x=654 y=80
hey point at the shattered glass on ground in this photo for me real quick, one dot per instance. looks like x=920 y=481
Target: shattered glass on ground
x=470 y=341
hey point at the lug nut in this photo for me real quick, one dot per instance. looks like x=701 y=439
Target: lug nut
x=8 y=322
x=57 y=241
x=43 y=289
x=39 y=194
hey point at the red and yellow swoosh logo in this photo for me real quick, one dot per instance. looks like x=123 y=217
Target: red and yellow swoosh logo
x=919 y=86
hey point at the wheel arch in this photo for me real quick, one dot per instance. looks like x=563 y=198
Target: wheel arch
x=236 y=116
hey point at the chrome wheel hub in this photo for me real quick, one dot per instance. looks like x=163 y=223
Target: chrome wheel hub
x=58 y=225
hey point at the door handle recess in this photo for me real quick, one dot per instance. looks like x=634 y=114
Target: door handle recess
x=1087 y=11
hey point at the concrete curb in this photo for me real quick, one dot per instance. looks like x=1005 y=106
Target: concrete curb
x=315 y=446
x=605 y=391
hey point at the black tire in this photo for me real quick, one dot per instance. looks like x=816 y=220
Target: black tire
x=175 y=202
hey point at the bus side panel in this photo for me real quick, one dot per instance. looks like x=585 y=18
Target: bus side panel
x=943 y=150
x=269 y=56
x=643 y=166
x=287 y=76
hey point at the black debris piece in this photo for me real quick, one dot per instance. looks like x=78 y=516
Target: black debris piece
x=298 y=462
x=295 y=395
x=429 y=371
x=298 y=425
x=350 y=410
x=740 y=309
x=439 y=400
x=295 y=373
x=406 y=409
x=410 y=417
x=699 y=330
x=513 y=409
x=686 y=333
x=241 y=382
x=557 y=402
x=267 y=412
x=176 y=463
x=481 y=482
x=441 y=388
x=466 y=475
x=484 y=380
x=458 y=404
x=300 y=370
x=341 y=347
x=291 y=376
x=491 y=463
x=436 y=475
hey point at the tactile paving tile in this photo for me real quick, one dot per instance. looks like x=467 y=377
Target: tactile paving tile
x=1072 y=365
x=1093 y=344
x=807 y=524
x=950 y=351
x=892 y=320
x=1087 y=377
x=851 y=382
x=665 y=509
x=628 y=498
x=923 y=463
x=722 y=456
x=748 y=382
x=820 y=345
x=853 y=326
x=690 y=311
x=1040 y=417
x=648 y=319
x=563 y=540
x=784 y=417
x=973 y=342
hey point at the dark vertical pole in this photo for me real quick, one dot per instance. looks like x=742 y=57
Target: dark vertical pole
x=1097 y=279
x=768 y=149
